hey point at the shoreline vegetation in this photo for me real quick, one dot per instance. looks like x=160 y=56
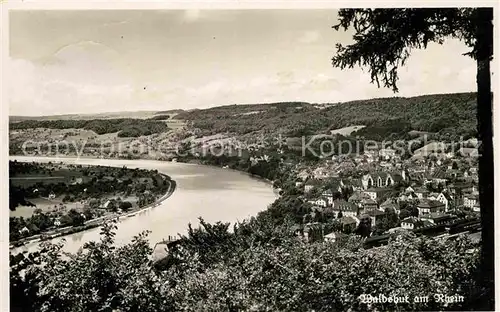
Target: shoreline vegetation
x=93 y=223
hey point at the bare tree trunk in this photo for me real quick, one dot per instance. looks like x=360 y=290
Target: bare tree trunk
x=485 y=128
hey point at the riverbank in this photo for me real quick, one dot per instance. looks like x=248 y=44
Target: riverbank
x=91 y=224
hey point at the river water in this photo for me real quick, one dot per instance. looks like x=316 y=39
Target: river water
x=215 y=194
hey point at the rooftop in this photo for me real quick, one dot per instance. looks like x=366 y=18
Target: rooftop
x=378 y=189
x=426 y=203
x=411 y=220
x=375 y=213
x=342 y=205
x=438 y=216
x=348 y=220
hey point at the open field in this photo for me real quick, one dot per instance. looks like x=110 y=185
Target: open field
x=29 y=181
x=46 y=205
x=175 y=123
x=347 y=130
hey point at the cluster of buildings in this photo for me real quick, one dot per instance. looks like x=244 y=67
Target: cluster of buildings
x=430 y=190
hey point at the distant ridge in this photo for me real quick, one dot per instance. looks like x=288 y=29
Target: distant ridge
x=152 y=113
x=107 y=115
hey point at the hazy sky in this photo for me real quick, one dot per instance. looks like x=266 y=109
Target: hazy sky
x=104 y=61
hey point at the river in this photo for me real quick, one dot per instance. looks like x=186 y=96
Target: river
x=215 y=194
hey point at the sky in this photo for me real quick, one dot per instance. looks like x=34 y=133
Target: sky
x=64 y=62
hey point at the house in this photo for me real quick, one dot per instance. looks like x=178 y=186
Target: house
x=409 y=223
x=412 y=223
x=336 y=187
x=469 y=152
x=303 y=175
x=389 y=204
x=349 y=223
x=438 y=218
x=407 y=197
x=359 y=159
x=24 y=230
x=57 y=222
x=385 y=164
x=333 y=237
x=344 y=208
x=369 y=204
x=336 y=184
x=375 y=215
x=421 y=193
x=354 y=184
x=462 y=188
x=416 y=176
x=321 y=173
x=371 y=151
x=477 y=207
x=387 y=153
x=470 y=201
x=297 y=229
x=328 y=196
x=453 y=173
x=328 y=212
x=382 y=179
x=346 y=164
x=409 y=190
x=76 y=181
x=431 y=148
x=427 y=206
x=313 y=232
x=161 y=251
x=378 y=179
x=377 y=193
x=441 y=197
x=310 y=184
x=437 y=176
x=52 y=195
x=321 y=202
x=357 y=198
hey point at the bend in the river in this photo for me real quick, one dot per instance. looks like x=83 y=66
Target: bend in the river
x=215 y=194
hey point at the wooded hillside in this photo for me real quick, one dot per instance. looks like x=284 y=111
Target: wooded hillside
x=454 y=114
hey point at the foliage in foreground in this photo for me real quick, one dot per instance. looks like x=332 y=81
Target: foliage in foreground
x=244 y=273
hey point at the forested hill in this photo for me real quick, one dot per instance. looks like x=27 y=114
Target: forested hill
x=454 y=114
x=125 y=127
x=448 y=115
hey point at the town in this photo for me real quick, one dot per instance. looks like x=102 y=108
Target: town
x=421 y=193
x=377 y=192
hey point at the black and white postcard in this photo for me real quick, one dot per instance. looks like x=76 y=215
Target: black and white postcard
x=239 y=156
